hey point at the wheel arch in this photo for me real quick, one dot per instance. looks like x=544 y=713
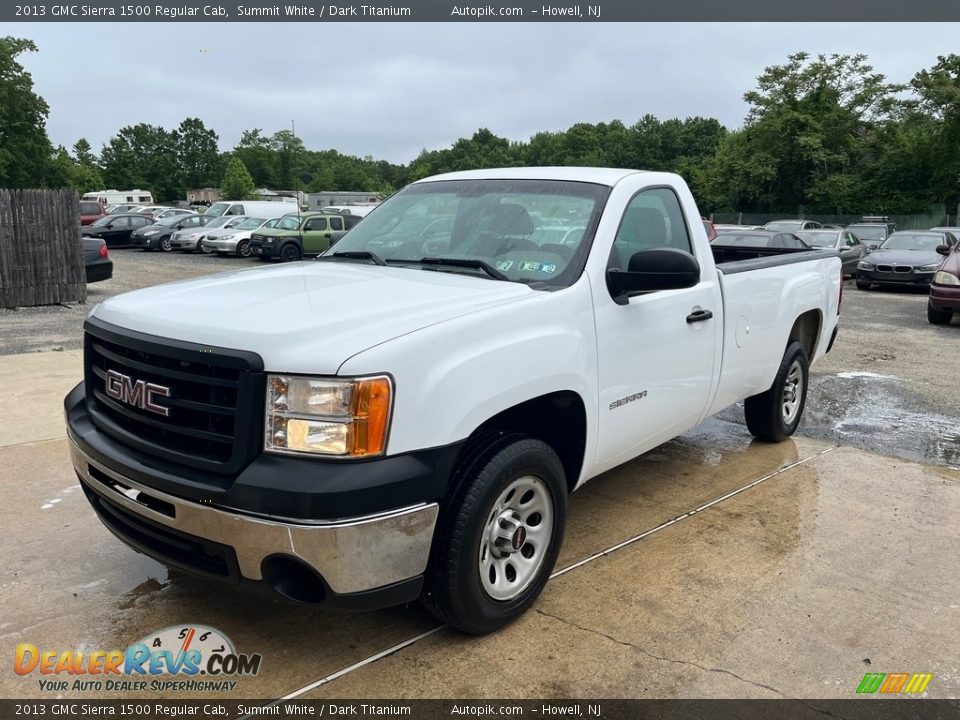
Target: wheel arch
x=558 y=418
x=806 y=330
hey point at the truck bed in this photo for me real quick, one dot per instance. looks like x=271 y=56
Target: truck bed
x=732 y=259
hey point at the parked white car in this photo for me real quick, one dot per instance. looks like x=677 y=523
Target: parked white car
x=191 y=239
x=234 y=240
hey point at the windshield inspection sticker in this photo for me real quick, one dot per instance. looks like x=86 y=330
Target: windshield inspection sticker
x=505 y=265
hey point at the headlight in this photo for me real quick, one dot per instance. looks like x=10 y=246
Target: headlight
x=348 y=418
x=928 y=268
x=267 y=241
x=148 y=233
x=225 y=237
x=945 y=278
x=864 y=265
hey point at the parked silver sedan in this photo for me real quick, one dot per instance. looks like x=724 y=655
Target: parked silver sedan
x=845 y=242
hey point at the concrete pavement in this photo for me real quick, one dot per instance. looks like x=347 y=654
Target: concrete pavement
x=838 y=562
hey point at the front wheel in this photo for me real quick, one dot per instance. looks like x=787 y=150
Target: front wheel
x=938 y=317
x=498 y=540
x=289 y=253
x=775 y=414
x=243 y=249
x=165 y=245
x=863 y=284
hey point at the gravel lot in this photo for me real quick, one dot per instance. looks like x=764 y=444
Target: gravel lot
x=59 y=327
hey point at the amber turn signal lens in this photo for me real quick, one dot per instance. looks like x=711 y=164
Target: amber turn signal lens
x=371 y=416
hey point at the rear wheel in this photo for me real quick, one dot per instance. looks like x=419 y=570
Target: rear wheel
x=863 y=284
x=775 y=414
x=498 y=540
x=289 y=253
x=938 y=317
x=243 y=248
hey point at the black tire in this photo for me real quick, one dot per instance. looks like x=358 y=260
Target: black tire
x=289 y=253
x=165 y=245
x=863 y=284
x=766 y=413
x=938 y=317
x=454 y=591
x=243 y=249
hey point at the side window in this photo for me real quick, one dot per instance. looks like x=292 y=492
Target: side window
x=653 y=219
x=336 y=223
x=120 y=222
x=235 y=210
x=316 y=224
x=145 y=199
x=851 y=240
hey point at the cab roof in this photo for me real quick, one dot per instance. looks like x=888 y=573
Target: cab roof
x=598 y=176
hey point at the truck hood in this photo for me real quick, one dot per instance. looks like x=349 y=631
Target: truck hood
x=309 y=316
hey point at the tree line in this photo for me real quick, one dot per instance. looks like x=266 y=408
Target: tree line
x=825 y=133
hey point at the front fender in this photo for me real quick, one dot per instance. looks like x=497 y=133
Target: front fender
x=452 y=376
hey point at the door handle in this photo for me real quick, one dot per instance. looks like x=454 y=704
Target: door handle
x=699 y=316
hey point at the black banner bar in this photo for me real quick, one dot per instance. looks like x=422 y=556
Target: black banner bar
x=473 y=11
x=872 y=708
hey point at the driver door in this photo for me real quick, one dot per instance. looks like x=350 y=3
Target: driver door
x=658 y=353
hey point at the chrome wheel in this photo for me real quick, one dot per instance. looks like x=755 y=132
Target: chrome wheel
x=516 y=538
x=243 y=248
x=165 y=245
x=792 y=392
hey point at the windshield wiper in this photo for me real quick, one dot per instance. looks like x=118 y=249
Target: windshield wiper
x=356 y=255
x=471 y=263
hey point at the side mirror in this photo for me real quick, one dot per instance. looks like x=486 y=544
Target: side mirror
x=651 y=270
x=943 y=249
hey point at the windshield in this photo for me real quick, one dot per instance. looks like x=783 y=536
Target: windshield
x=288 y=222
x=235 y=220
x=219 y=221
x=913 y=241
x=103 y=221
x=868 y=232
x=524 y=230
x=217 y=209
x=819 y=239
x=169 y=219
x=783 y=225
x=250 y=224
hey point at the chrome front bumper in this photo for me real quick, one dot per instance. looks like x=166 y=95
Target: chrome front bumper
x=352 y=556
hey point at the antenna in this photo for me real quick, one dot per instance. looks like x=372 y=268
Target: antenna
x=296 y=181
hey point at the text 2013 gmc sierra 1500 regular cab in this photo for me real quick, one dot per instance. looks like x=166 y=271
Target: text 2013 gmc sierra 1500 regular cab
x=405 y=416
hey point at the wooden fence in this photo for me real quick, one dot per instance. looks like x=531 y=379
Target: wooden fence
x=41 y=254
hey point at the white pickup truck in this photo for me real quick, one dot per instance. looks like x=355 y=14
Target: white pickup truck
x=405 y=416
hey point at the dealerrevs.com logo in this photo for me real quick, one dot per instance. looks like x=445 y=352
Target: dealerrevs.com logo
x=180 y=658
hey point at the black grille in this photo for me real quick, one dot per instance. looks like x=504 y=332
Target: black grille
x=214 y=405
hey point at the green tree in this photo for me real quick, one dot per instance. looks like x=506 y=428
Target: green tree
x=25 y=150
x=938 y=98
x=257 y=155
x=237 y=183
x=288 y=152
x=144 y=156
x=197 y=154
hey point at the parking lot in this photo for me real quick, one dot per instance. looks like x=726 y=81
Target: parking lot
x=714 y=566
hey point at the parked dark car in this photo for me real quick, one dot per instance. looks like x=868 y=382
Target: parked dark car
x=91 y=211
x=761 y=238
x=907 y=257
x=115 y=230
x=872 y=234
x=791 y=225
x=945 y=289
x=843 y=241
x=96 y=260
x=157 y=236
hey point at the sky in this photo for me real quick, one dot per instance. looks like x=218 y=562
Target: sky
x=390 y=90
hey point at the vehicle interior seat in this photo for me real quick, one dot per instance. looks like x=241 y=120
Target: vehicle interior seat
x=500 y=228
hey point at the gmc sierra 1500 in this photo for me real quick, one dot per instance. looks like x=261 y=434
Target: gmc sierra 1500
x=405 y=416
